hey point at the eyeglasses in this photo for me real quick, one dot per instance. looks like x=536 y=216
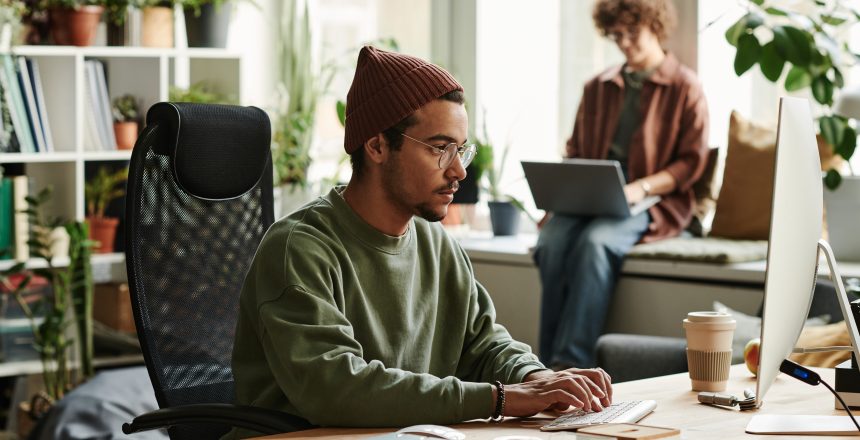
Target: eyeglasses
x=446 y=153
x=631 y=33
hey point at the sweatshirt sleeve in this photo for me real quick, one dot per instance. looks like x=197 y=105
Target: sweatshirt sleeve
x=323 y=374
x=489 y=351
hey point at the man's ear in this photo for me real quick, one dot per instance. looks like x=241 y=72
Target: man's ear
x=376 y=149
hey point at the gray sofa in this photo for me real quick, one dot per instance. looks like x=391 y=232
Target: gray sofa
x=630 y=357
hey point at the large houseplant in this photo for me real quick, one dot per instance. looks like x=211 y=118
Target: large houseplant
x=71 y=295
x=99 y=191
x=809 y=42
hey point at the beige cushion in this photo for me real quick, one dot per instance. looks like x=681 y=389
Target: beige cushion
x=835 y=334
x=706 y=250
x=743 y=207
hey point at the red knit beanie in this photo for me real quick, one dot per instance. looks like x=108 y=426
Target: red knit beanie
x=388 y=87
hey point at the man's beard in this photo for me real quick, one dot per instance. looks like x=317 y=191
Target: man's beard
x=393 y=179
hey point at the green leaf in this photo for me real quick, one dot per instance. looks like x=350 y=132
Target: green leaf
x=341 y=112
x=794 y=44
x=745 y=23
x=832 y=179
x=776 y=11
x=832 y=129
x=838 y=80
x=822 y=90
x=797 y=79
x=771 y=62
x=831 y=20
x=758 y=2
x=749 y=52
x=848 y=144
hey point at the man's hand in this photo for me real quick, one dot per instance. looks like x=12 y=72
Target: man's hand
x=590 y=390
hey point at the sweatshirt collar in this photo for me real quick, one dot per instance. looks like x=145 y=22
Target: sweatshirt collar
x=662 y=75
x=362 y=230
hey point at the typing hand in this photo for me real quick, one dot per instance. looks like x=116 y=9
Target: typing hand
x=589 y=390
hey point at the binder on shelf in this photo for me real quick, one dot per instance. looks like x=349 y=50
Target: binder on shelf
x=30 y=104
x=104 y=104
x=15 y=104
x=22 y=226
x=92 y=138
x=7 y=217
x=36 y=81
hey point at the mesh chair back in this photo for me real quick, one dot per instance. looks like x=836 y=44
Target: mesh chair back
x=199 y=200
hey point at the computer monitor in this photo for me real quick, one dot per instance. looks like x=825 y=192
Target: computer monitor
x=795 y=228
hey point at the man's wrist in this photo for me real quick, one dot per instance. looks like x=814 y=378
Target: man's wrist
x=537 y=374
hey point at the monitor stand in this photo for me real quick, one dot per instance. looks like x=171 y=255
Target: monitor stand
x=816 y=424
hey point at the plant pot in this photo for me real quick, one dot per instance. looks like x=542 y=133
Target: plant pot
x=75 y=26
x=117 y=34
x=505 y=218
x=842 y=209
x=157 y=25
x=126 y=134
x=103 y=230
x=209 y=29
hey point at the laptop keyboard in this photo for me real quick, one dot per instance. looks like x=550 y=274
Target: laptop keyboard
x=620 y=412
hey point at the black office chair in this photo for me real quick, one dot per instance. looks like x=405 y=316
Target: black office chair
x=199 y=200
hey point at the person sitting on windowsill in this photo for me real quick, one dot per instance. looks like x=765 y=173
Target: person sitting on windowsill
x=649 y=114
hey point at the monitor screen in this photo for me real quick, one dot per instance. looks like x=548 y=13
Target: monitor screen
x=795 y=228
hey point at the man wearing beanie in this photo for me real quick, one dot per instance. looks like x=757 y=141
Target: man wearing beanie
x=360 y=310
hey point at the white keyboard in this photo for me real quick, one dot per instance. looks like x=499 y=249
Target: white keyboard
x=619 y=412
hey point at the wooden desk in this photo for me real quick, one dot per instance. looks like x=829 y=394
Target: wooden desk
x=677 y=407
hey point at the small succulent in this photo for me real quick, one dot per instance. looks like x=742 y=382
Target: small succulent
x=125 y=109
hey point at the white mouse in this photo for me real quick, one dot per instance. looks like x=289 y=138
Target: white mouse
x=434 y=431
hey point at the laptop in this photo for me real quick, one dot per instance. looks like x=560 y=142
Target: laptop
x=584 y=187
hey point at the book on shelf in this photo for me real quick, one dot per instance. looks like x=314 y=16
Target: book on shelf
x=7 y=217
x=15 y=104
x=105 y=112
x=98 y=111
x=35 y=79
x=20 y=189
x=29 y=96
x=92 y=138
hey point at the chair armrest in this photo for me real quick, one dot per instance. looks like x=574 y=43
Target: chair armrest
x=264 y=421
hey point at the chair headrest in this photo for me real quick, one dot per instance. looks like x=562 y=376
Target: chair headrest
x=218 y=151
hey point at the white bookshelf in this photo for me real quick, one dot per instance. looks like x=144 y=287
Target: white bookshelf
x=146 y=73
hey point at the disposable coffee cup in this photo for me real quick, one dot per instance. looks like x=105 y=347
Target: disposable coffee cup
x=709 y=349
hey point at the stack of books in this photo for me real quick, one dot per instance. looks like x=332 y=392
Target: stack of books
x=24 y=125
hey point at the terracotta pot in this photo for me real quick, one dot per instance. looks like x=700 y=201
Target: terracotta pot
x=103 y=230
x=157 y=27
x=126 y=134
x=76 y=26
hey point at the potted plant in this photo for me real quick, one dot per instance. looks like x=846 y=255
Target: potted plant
x=12 y=13
x=101 y=190
x=505 y=209
x=125 y=121
x=74 y=22
x=157 y=24
x=116 y=18
x=811 y=45
x=207 y=22
x=199 y=92
x=49 y=316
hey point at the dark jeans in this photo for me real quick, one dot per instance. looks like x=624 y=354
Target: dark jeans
x=579 y=259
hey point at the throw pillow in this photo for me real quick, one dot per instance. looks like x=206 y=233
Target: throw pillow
x=835 y=334
x=749 y=328
x=743 y=207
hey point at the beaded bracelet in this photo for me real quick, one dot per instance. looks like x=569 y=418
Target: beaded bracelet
x=498 y=414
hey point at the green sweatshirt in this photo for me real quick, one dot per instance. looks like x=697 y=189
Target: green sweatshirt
x=345 y=326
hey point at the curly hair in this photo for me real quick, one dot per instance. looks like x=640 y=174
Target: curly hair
x=658 y=15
